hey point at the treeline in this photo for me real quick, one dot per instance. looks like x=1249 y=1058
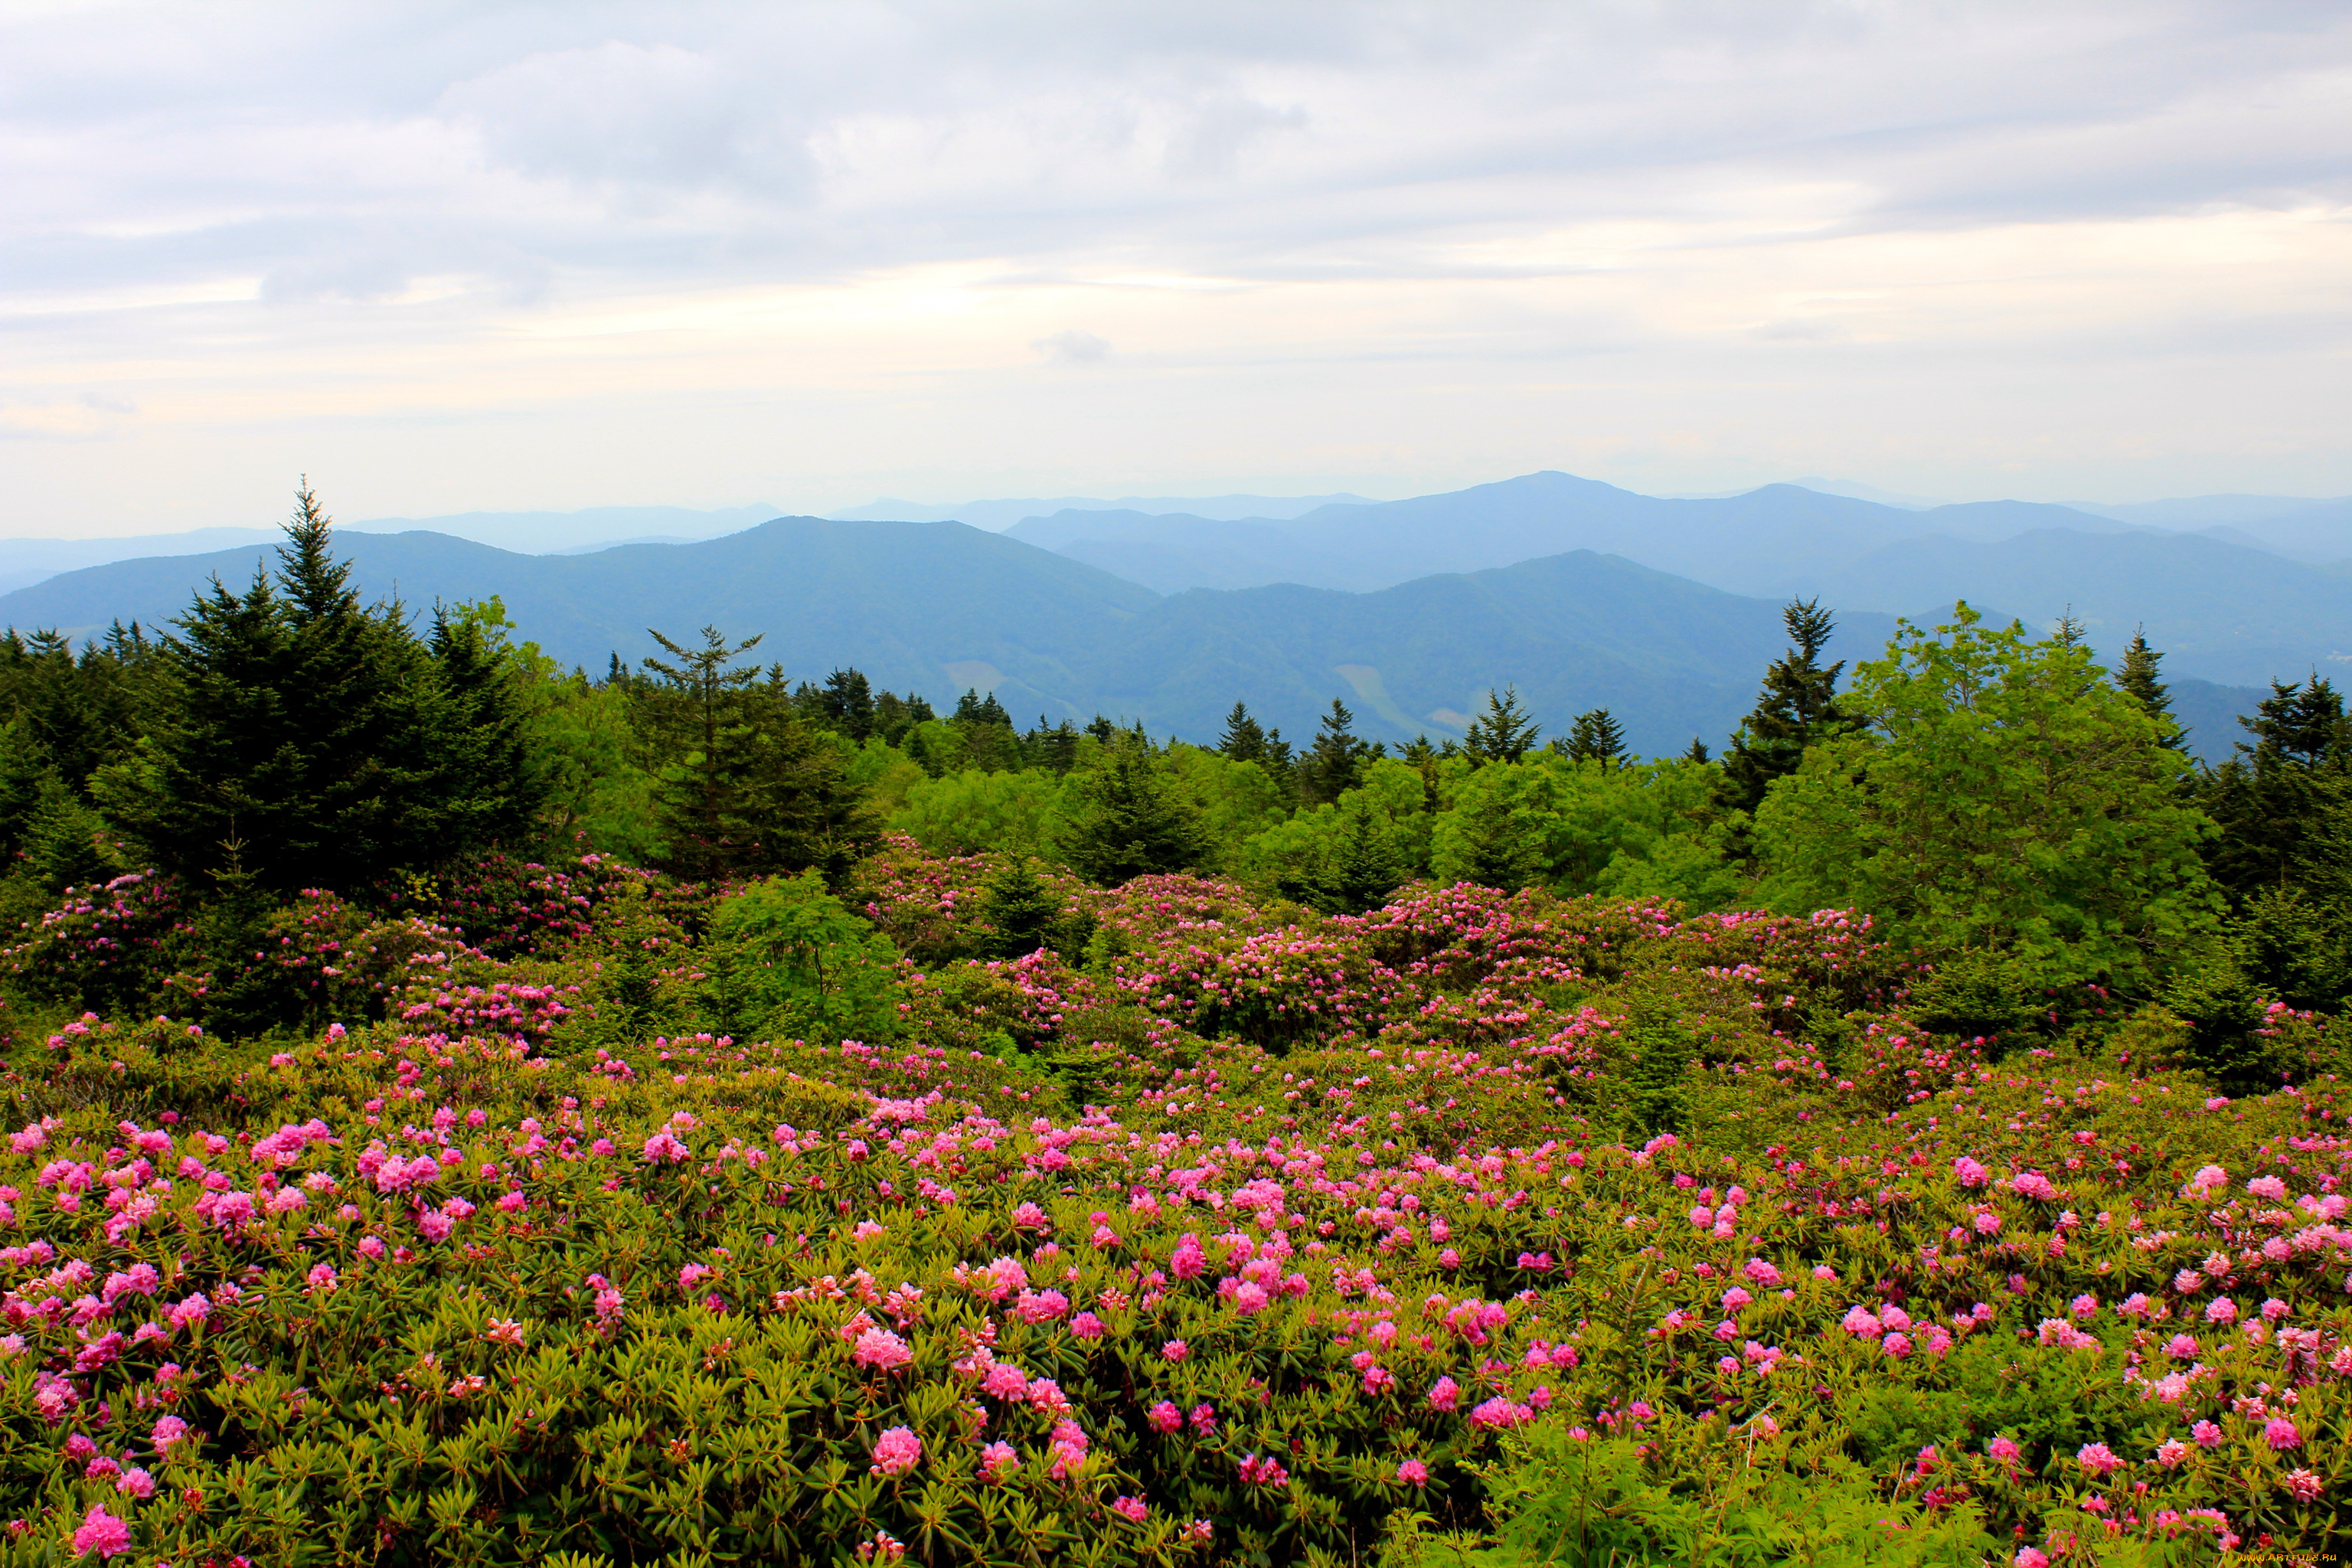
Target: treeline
x=2023 y=814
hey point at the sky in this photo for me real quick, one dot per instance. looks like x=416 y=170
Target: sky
x=460 y=256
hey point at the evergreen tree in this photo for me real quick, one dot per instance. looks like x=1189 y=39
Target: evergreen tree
x=846 y=701
x=299 y=738
x=2282 y=797
x=1329 y=768
x=1022 y=908
x=1798 y=707
x=742 y=785
x=2137 y=676
x=1596 y=737
x=1242 y=741
x=1128 y=819
x=1503 y=732
x=1358 y=871
x=1697 y=753
x=494 y=780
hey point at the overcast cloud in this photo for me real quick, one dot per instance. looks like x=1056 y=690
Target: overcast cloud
x=457 y=257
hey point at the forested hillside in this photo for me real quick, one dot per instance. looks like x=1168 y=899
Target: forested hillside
x=726 y=1108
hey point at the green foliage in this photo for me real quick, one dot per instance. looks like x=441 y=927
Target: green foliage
x=1700 y=1497
x=971 y=811
x=2002 y=794
x=1331 y=766
x=1652 y=829
x=1130 y=816
x=1595 y=737
x=1346 y=858
x=1503 y=732
x=787 y=958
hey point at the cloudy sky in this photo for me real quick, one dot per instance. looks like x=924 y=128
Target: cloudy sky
x=446 y=257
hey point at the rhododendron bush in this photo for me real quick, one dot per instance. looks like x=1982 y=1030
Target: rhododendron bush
x=1245 y=1234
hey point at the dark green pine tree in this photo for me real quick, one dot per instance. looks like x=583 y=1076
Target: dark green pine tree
x=493 y=782
x=2283 y=800
x=1697 y=753
x=743 y=785
x=1130 y=819
x=2137 y=676
x=1596 y=737
x=1503 y=732
x=1022 y=908
x=1244 y=740
x=1332 y=766
x=1357 y=871
x=297 y=737
x=1797 y=708
x=846 y=701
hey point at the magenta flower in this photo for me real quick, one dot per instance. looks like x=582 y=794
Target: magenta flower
x=2001 y=1450
x=2097 y=1458
x=1445 y=1394
x=1413 y=1473
x=136 y=1483
x=881 y=1350
x=2206 y=1434
x=2304 y=1484
x=1165 y=1417
x=2281 y=1435
x=896 y=1451
x=1132 y=1509
x=997 y=1461
x=101 y=1532
x=1175 y=1350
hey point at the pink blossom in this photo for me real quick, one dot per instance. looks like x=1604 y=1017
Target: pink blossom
x=2003 y=1450
x=2222 y=1309
x=2031 y=1557
x=1203 y=1418
x=1445 y=1394
x=2097 y=1458
x=882 y=1350
x=1086 y=1326
x=1264 y=1472
x=1175 y=1350
x=896 y=1451
x=1165 y=1417
x=1968 y=1174
x=997 y=1461
x=2304 y=1484
x=1861 y=1320
x=2281 y=1434
x=136 y=1483
x=2206 y=1434
x=101 y=1532
x=2171 y=1452
x=1413 y=1473
x=1132 y=1509
x=1500 y=1411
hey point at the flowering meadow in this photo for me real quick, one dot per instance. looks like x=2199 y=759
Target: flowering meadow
x=584 y=1216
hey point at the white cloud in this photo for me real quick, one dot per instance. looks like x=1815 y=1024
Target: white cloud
x=543 y=253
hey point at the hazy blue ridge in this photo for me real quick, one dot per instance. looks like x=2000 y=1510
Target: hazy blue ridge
x=938 y=607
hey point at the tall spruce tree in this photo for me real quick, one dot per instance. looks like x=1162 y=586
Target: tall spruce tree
x=1129 y=818
x=1503 y=732
x=1244 y=741
x=2283 y=800
x=299 y=738
x=1596 y=737
x=1331 y=766
x=743 y=785
x=1798 y=709
x=2137 y=676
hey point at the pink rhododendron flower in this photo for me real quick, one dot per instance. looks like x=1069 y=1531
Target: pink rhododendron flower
x=136 y=1483
x=1413 y=1473
x=1165 y=1417
x=103 y=1533
x=2097 y=1458
x=2206 y=1434
x=882 y=1350
x=997 y=1461
x=1175 y=1350
x=2222 y=1309
x=2281 y=1434
x=896 y=1451
x=1129 y=1508
x=2305 y=1485
x=1445 y=1394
